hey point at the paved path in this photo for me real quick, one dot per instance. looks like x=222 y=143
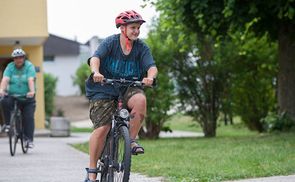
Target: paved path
x=290 y=178
x=52 y=160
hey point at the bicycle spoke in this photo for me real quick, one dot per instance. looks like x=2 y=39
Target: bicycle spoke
x=119 y=166
x=118 y=177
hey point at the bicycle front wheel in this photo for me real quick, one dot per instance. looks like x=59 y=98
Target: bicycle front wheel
x=23 y=140
x=12 y=133
x=122 y=156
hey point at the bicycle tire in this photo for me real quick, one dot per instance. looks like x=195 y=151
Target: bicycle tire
x=108 y=174
x=122 y=156
x=12 y=133
x=24 y=144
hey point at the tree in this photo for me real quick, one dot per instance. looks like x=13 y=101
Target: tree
x=200 y=79
x=253 y=79
x=219 y=18
x=50 y=82
x=197 y=75
x=159 y=99
x=82 y=74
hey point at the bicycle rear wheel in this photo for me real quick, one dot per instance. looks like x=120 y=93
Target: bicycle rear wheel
x=122 y=156
x=12 y=133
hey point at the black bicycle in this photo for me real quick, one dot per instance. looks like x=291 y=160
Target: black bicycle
x=16 y=130
x=115 y=161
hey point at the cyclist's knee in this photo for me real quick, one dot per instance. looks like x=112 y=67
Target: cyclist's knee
x=142 y=100
x=138 y=114
x=137 y=101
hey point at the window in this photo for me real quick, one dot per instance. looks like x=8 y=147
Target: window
x=49 y=58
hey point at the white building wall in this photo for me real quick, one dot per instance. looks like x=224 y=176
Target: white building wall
x=64 y=68
x=93 y=44
x=85 y=53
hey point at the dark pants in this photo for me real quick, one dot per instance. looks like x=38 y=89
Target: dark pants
x=28 y=109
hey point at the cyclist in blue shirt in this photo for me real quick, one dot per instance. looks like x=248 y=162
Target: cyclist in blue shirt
x=19 y=79
x=118 y=56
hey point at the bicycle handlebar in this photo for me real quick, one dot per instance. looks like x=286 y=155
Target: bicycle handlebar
x=16 y=96
x=127 y=82
x=124 y=81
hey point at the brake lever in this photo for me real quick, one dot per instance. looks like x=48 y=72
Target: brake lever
x=154 y=82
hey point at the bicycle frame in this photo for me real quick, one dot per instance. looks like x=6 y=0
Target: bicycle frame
x=109 y=163
x=16 y=127
x=119 y=125
x=16 y=110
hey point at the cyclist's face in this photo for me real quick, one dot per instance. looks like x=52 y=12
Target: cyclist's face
x=19 y=61
x=133 y=30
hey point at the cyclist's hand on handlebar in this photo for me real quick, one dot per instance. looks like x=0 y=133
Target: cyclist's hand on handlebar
x=148 y=81
x=30 y=94
x=2 y=93
x=97 y=77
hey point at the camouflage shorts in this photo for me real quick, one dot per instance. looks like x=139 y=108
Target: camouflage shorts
x=101 y=111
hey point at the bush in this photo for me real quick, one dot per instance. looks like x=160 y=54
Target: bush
x=49 y=89
x=81 y=75
x=278 y=122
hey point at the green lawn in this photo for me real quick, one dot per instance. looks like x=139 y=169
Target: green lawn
x=183 y=123
x=217 y=159
x=176 y=122
x=234 y=154
x=83 y=130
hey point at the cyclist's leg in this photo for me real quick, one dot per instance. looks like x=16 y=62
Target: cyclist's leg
x=137 y=105
x=136 y=102
x=28 y=111
x=100 y=115
x=7 y=106
x=96 y=144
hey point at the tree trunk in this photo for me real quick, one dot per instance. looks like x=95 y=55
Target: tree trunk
x=286 y=77
x=209 y=124
x=254 y=124
x=209 y=129
x=231 y=119
x=225 y=119
x=151 y=131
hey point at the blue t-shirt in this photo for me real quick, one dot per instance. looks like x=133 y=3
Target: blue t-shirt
x=114 y=64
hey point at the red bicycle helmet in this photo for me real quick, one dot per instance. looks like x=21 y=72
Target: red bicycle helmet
x=127 y=17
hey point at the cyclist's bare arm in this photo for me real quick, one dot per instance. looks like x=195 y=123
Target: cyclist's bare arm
x=31 y=82
x=151 y=74
x=3 y=85
x=94 y=66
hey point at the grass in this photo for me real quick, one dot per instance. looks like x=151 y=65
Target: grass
x=83 y=130
x=217 y=159
x=176 y=122
x=183 y=123
x=234 y=154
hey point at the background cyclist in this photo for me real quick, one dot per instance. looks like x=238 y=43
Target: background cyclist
x=118 y=56
x=19 y=79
